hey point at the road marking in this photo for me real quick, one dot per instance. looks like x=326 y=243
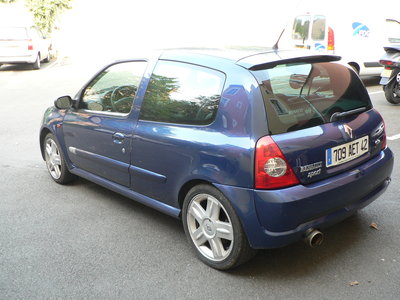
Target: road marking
x=373 y=93
x=394 y=137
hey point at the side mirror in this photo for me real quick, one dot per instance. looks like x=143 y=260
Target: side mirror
x=63 y=102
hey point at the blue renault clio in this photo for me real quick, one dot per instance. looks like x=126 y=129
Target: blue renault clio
x=250 y=152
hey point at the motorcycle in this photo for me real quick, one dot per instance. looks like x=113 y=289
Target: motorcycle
x=390 y=76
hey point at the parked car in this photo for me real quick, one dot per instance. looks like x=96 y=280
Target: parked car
x=250 y=152
x=24 y=45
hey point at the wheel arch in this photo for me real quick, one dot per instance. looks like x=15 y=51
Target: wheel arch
x=355 y=66
x=187 y=187
x=45 y=131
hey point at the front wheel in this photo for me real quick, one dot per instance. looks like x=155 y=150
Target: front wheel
x=213 y=228
x=55 y=161
x=392 y=90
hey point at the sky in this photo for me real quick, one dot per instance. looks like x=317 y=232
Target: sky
x=174 y=23
x=117 y=28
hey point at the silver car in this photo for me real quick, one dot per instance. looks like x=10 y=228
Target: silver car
x=24 y=45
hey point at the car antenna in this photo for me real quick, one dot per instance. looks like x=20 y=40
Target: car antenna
x=276 y=46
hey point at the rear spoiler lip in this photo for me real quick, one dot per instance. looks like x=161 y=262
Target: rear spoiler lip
x=271 y=59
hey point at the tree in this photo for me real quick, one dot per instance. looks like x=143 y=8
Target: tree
x=7 y=1
x=45 y=12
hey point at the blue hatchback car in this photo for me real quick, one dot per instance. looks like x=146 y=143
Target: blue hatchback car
x=250 y=152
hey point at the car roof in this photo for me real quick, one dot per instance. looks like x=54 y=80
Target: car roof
x=250 y=60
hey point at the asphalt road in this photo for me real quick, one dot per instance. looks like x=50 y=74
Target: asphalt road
x=83 y=241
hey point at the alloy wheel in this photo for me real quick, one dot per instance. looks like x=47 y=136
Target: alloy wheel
x=53 y=159
x=210 y=227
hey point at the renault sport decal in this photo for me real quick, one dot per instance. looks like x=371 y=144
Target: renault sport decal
x=360 y=30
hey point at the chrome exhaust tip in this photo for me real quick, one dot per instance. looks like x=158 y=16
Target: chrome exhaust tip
x=314 y=238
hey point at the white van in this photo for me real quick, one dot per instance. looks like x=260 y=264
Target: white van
x=357 y=35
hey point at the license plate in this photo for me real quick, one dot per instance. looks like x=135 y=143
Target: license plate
x=386 y=73
x=346 y=152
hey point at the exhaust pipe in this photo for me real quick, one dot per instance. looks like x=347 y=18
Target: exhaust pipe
x=314 y=237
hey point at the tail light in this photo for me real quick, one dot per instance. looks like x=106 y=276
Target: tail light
x=272 y=170
x=383 y=142
x=331 y=39
x=380 y=133
x=386 y=62
x=30 y=45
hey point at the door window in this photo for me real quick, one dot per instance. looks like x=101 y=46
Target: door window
x=114 y=89
x=318 y=29
x=301 y=27
x=183 y=94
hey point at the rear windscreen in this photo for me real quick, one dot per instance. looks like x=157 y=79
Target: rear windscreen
x=13 y=33
x=303 y=95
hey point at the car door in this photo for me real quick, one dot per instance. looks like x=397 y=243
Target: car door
x=98 y=132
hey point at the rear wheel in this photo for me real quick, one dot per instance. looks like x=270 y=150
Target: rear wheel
x=213 y=228
x=36 y=64
x=55 y=161
x=392 y=91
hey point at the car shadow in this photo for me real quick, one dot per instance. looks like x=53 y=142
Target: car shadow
x=298 y=260
x=371 y=80
x=22 y=67
x=293 y=261
x=129 y=204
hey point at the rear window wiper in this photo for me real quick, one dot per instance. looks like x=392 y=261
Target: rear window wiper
x=339 y=115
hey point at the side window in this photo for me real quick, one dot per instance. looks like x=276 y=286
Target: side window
x=301 y=27
x=182 y=93
x=114 y=89
x=318 y=29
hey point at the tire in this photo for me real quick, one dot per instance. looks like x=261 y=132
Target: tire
x=36 y=64
x=392 y=91
x=55 y=161
x=213 y=229
x=47 y=59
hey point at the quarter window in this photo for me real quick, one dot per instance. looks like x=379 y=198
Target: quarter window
x=114 y=89
x=182 y=93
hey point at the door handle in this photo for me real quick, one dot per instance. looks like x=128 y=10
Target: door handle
x=118 y=137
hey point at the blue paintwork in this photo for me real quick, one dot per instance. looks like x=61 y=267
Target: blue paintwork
x=151 y=162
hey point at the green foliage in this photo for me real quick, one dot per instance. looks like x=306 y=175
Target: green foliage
x=8 y=1
x=45 y=12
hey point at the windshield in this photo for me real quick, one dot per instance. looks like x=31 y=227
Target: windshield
x=298 y=96
x=393 y=29
x=13 y=33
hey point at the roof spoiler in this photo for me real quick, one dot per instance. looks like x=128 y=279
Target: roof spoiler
x=271 y=59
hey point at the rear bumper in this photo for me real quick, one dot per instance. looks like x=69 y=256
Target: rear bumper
x=17 y=59
x=276 y=218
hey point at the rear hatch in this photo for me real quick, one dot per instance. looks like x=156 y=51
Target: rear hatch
x=320 y=116
x=14 y=42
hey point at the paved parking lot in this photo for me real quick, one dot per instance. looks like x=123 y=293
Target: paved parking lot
x=83 y=241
